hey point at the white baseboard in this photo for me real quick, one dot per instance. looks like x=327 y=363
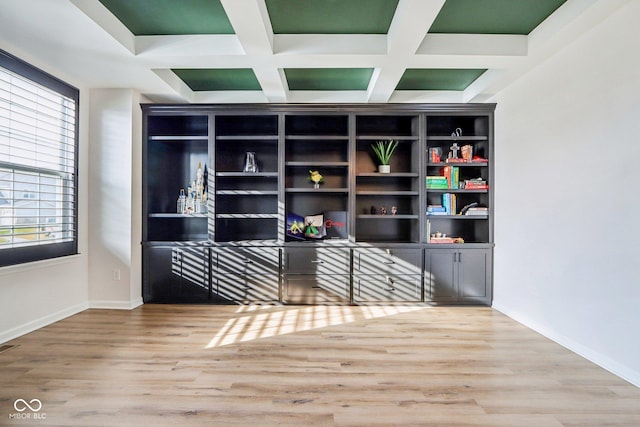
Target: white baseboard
x=116 y=305
x=62 y=314
x=601 y=360
x=41 y=322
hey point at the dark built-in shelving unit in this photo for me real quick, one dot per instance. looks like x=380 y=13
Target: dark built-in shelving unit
x=238 y=250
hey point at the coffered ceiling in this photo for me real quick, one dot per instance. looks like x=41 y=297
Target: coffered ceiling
x=303 y=50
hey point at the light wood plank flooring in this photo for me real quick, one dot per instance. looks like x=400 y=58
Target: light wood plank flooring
x=173 y=365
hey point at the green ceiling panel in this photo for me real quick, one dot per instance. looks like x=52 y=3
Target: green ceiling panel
x=328 y=78
x=171 y=17
x=493 y=16
x=331 y=16
x=438 y=79
x=218 y=79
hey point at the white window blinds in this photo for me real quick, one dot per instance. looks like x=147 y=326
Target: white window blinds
x=37 y=164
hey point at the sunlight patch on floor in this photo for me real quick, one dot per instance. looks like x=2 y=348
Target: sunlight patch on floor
x=256 y=322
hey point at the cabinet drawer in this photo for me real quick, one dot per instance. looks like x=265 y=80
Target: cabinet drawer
x=261 y=287
x=312 y=289
x=387 y=288
x=317 y=260
x=387 y=261
x=258 y=260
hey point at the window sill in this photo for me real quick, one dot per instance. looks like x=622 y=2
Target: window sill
x=19 y=268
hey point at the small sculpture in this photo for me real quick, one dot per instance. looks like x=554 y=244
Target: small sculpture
x=316 y=178
x=373 y=210
x=383 y=210
x=394 y=210
x=453 y=154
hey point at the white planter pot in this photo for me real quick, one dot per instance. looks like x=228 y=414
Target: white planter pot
x=384 y=168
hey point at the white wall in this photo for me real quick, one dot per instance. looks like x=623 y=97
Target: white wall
x=36 y=294
x=567 y=207
x=114 y=197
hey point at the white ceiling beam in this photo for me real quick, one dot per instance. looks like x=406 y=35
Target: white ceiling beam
x=410 y=24
x=474 y=44
x=426 y=96
x=176 y=84
x=384 y=81
x=186 y=45
x=330 y=44
x=251 y=23
x=105 y=19
x=327 y=96
x=230 y=97
x=273 y=82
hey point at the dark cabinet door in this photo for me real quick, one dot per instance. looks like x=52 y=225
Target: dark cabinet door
x=176 y=274
x=440 y=275
x=246 y=274
x=474 y=276
x=458 y=275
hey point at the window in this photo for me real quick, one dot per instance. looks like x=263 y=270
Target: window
x=38 y=164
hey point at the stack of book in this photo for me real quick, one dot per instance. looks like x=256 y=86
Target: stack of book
x=437 y=183
x=436 y=210
x=475 y=184
x=477 y=211
x=434 y=239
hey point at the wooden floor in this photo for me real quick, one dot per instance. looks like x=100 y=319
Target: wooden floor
x=300 y=365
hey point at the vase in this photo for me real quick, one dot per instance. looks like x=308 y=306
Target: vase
x=384 y=168
x=250 y=164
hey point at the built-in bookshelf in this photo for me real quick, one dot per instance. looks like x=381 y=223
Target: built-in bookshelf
x=429 y=220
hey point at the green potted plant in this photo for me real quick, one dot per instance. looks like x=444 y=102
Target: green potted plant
x=384 y=150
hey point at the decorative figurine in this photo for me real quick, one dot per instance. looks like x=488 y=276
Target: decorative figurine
x=182 y=202
x=394 y=210
x=373 y=210
x=453 y=154
x=316 y=178
x=383 y=210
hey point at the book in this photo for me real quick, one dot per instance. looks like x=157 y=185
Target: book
x=335 y=224
x=452 y=175
x=477 y=211
x=295 y=226
x=455 y=176
x=314 y=226
x=456 y=160
x=441 y=240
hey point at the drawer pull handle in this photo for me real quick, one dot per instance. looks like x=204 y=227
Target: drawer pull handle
x=247 y=261
x=317 y=261
x=316 y=287
x=389 y=262
x=390 y=289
